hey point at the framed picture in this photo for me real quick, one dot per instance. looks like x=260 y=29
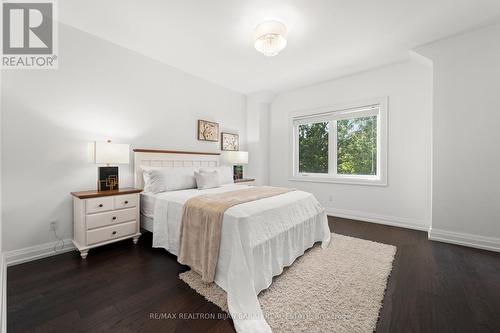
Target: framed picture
x=230 y=141
x=208 y=131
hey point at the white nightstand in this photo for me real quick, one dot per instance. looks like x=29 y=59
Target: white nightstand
x=103 y=217
x=245 y=181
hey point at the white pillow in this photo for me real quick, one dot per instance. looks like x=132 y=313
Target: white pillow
x=206 y=180
x=169 y=179
x=146 y=177
x=225 y=173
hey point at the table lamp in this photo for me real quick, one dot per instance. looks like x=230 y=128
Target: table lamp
x=237 y=159
x=110 y=153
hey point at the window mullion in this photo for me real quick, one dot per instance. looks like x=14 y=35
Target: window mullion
x=296 y=149
x=332 y=148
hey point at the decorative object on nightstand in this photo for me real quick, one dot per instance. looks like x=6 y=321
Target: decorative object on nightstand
x=103 y=217
x=245 y=181
x=237 y=159
x=110 y=153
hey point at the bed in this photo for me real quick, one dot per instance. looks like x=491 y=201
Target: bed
x=258 y=238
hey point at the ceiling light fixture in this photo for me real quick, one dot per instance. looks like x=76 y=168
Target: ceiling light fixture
x=270 y=38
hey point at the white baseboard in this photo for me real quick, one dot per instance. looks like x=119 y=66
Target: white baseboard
x=393 y=221
x=470 y=240
x=16 y=257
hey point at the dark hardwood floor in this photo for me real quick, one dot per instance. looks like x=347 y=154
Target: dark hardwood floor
x=434 y=287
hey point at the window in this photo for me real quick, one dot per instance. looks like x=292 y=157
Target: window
x=313 y=148
x=345 y=145
x=357 y=146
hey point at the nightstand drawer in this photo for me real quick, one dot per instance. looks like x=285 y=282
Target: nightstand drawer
x=125 y=201
x=98 y=205
x=108 y=218
x=112 y=232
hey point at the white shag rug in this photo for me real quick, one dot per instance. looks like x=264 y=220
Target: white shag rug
x=338 y=289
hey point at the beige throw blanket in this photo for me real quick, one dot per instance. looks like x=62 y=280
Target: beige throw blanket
x=202 y=223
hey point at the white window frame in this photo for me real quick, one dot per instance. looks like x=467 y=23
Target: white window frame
x=331 y=114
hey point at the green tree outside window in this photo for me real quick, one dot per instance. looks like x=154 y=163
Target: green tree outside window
x=313 y=148
x=357 y=146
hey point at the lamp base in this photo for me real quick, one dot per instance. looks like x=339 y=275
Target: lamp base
x=108 y=178
x=237 y=172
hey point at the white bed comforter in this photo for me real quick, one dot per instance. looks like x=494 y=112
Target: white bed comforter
x=258 y=239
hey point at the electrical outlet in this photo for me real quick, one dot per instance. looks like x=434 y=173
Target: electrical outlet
x=53 y=225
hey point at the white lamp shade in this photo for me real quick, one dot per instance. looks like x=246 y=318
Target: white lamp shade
x=236 y=157
x=111 y=153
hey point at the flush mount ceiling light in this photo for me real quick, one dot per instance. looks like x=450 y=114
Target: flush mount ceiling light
x=270 y=38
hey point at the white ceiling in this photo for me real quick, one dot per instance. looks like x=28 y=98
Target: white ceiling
x=327 y=38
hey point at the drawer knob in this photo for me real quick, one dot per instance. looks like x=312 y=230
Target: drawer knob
x=100 y=205
x=114 y=232
x=126 y=202
x=114 y=217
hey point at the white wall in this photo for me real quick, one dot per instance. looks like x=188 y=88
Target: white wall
x=100 y=91
x=258 y=109
x=406 y=201
x=1 y=188
x=3 y=270
x=466 y=138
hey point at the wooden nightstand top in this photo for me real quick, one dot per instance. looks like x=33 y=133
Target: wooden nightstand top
x=244 y=180
x=98 y=194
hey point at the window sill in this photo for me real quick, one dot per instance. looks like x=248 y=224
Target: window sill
x=340 y=180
